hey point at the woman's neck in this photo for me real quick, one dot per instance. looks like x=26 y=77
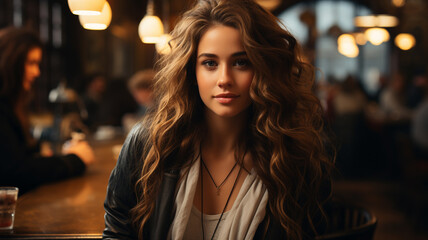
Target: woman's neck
x=223 y=133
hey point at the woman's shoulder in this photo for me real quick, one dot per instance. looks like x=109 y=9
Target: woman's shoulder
x=138 y=135
x=133 y=146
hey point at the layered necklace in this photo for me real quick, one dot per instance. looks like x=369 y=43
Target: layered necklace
x=218 y=190
x=211 y=176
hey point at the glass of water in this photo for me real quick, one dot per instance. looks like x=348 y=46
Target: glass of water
x=8 y=198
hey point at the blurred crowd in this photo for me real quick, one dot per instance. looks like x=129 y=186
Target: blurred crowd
x=382 y=136
x=377 y=134
x=111 y=107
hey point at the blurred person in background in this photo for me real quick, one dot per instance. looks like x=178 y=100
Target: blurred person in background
x=140 y=85
x=350 y=99
x=348 y=105
x=416 y=89
x=92 y=97
x=21 y=164
x=392 y=99
x=419 y=124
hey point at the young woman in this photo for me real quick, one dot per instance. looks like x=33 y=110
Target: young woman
x=21 y=165
x=233 y=148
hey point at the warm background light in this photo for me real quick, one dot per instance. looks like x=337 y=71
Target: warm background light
x=360 y=38
x=346 y=46
x=365 y=21
x=386 y=21
x=376 y=21
x=162 y=46
x=150 y=29
x=97 y=22
x=86 y=7
x=405 y=41
x=345 y=38
x=377 y=36
x=398 y=3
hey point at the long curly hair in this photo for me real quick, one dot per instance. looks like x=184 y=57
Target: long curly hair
x=285 y=126
x=15 y=43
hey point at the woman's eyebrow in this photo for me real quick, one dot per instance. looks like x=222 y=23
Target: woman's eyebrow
x=238 y=54
x=211 y=55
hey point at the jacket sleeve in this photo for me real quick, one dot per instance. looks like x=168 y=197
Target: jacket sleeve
x=35 y=171
x=121 y=197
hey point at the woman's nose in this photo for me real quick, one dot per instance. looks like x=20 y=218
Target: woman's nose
x=225 y=77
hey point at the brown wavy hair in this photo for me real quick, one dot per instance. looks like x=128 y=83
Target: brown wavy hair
x=285 y=129
x=15 y=43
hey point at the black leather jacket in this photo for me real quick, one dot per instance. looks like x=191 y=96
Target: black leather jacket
x=121 y=197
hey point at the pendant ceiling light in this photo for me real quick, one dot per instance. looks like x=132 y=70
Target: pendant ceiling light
x=398 y=3
x=97 y=22
x=381 y=20
x=377 y=35
x=163 y=44
x=150 y=27
x=86 y=7
x=405 y=41
x=347 y=46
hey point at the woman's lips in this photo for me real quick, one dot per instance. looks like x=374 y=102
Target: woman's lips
x=225 y=98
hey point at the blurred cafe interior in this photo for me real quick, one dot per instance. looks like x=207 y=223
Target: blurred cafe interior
x=371 y=78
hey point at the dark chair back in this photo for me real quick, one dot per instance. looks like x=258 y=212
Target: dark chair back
x=349 y=222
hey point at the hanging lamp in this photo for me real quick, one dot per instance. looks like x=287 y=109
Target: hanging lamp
x=398 y=3
x=150 y=27
x=86 y=7
x=97 y=22
x=381 y=20
x=347 y=46
x=163 y=45
x=405 y=41
x=377 y=35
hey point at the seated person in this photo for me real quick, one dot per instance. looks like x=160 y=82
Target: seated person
x=93 y=96
x=21 y=164
x=140 y=85
x=419 y=124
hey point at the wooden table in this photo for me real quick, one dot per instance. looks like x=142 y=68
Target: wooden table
x=69 y=209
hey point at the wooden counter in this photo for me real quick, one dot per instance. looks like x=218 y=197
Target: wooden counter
x=70 y=209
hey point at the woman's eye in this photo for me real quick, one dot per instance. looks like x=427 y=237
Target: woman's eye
x=242 y=63
x=209 y=63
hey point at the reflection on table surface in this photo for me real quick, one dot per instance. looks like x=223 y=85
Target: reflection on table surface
x=69 y=209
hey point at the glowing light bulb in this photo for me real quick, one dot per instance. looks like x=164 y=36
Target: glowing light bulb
x=377 y=36
x=162 y=46
x=150 y=29
x=86 y=7
x=405 y=41
x=398 y=3
x=97 y=22
x=346 y=46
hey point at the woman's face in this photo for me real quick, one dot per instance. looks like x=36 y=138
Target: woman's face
x=223 y=72
x=32 y=67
